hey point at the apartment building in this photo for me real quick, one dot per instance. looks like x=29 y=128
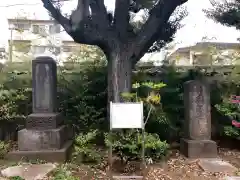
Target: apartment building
x=2 y=54
x=67 y=48
x=205 y=53
x=31 y=37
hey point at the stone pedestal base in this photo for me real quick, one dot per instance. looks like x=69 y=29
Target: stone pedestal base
x=198 y=148
x=42 y=121
x=60 y=155
x=36 y=140
x=51 y=145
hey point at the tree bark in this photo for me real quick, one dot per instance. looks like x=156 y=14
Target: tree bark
x=119 y=75
x=123 y=47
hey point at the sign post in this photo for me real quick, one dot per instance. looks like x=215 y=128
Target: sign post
x=126 y=116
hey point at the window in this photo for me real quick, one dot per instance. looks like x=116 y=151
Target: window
x=22 y=46
x=202 y=59
x=38 y=29
x=57 y=50
x=21 y=26
x=35 y=29
x=2 y=55
x=53 y=29
x=50 y=49
x=39 y=49
x=54 y=50
x=66 y=49
x=58 y=28
x=42 y=30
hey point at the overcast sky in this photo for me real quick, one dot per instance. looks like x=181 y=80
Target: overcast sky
x=196 y=24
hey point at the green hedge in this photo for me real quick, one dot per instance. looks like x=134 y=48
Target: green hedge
x=82 y=97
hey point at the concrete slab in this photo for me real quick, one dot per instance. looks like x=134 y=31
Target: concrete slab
x=29 y=172
x=60 y=155
x=231 y=178
x=216 y=165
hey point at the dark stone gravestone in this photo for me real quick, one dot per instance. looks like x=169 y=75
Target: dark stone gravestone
x=45 y=137
x=197 y=141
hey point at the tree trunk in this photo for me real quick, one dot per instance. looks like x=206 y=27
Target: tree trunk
x=119 y=75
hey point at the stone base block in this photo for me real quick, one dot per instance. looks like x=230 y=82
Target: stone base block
x=60 y=155
x=42 y=121
x=198 y=148
x=34 y=140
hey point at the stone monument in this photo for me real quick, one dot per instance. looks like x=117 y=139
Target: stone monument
x=197 y=141
x=45 y=137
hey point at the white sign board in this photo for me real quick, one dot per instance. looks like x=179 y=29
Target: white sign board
x=126 y=116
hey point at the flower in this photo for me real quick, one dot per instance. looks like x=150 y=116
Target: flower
x=236 y=124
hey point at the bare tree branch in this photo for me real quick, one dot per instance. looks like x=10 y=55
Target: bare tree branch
x=91 y=29
x=96 y=28
x=99 y=12
x=80 y=13
x=83 y=6
x=81 y=26
x=159 y=16
x=121 y=17
x=98 y=7
x=65 y=22
x=139 y=53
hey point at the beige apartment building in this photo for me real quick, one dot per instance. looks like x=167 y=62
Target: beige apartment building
x=31 y=37
x=206 y=53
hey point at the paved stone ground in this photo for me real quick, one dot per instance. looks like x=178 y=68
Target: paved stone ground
x=216 y=165
x=187 y=170
x=180 y=168
x=176 y=168
x=232 y=178
x=29 y=172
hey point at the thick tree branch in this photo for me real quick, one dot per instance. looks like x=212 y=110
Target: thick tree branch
x=121 y=17
x=81 y=13
x=151 y=30
x=56 y=14
x=98 y=6
x=99 y=13
x=164 y=36
x=83 y=6
x=81 y=26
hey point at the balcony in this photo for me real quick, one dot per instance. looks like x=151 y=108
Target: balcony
x=34 y=31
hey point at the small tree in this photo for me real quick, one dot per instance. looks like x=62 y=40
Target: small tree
x=122 y=45
x=226 y=13
x=126 y=144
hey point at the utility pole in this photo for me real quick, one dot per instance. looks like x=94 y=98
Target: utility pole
x=11 y=45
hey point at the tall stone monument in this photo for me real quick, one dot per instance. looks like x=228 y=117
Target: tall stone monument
x=197 y=141
x=45 y=136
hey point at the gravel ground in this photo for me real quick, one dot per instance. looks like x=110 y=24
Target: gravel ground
x=176 y=168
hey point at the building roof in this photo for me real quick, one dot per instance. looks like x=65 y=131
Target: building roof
x=22 y=20
x=20 y=40
x=218 y=45
x=202 y=45
x=69 y=42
